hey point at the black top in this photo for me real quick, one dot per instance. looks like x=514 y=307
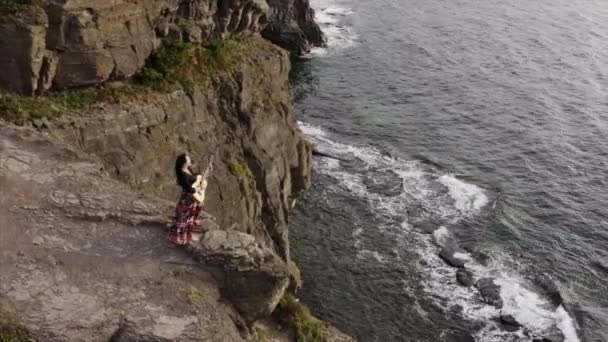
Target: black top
x=185 y=180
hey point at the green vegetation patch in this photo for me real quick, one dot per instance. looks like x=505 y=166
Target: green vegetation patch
x=241 y=170
x=19 y=109
x=14 y=6
x=10 y=331
x=260 y=334
x=192 y=295
x=186 y=65
x=178 y=66
x=296 y=316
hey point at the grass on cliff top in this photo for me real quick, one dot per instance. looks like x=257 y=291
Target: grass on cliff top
x=10 y=331
x=14 y=6
x=296 y=316
x=179 y=66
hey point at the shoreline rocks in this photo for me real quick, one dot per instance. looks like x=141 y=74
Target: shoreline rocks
x=490 y=292
x=464 y=278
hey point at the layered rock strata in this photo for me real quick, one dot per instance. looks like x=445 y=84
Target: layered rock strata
x=75 y=43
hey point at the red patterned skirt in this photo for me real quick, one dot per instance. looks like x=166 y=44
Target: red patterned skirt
x=184 y=222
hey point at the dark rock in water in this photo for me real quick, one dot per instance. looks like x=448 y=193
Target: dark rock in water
x=554 y=335
x=478 y=255
x=385 y=183
x=458 y=336
x=489 y=291
x=293 y=27
x=508 y=323
x=464 y=277
x=509 y=320
x=550 y=289
x=448 y=255
x=426 y=227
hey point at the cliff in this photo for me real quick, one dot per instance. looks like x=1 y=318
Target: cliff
x=293 y=27
x=88 y=188
x=73 y=43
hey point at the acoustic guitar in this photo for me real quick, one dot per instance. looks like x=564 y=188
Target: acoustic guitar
x=200 y=185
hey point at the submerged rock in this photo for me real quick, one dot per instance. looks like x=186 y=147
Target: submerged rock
x=427 y=227
x=464 y=277
x=489 y=291
x=452 y=257
x=508 y=323
x=550 y=289
x=457 y=336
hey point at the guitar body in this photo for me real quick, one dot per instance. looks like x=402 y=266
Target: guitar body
x=200 y=185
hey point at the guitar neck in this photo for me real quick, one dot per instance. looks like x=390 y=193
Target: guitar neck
x=207 y=170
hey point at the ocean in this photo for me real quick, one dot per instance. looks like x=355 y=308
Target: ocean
x=473 y=129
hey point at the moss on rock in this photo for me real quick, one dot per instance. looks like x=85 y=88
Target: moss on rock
x=294 y=315
x=240 y=169
x=10 y=331
x=178 y=66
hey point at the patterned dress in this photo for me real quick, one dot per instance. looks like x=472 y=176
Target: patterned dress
x=184 y=222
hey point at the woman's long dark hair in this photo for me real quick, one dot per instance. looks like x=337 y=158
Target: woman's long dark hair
x=179 y=164
x=179 y=170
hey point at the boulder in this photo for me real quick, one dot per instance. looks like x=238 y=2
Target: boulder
x=427 y=227
x=489 y=291
x=254 y=277
x=451 y=256
x=464 y=278
x=509 y=323
x=457 y=336
x=550 y=289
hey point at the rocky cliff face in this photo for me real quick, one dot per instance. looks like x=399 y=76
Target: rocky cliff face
x=85 y=197
x=246 y=118
x=293 y=27
x=86 y=259
x=75 y=43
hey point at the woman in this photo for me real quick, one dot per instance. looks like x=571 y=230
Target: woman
x=188 y=208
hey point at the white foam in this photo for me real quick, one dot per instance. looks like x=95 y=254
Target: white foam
x=332 y=15
x=462 y=256
x=364 y=253
x=311 y=130
x=468 y=197
x=566 y=325
x=441 y=236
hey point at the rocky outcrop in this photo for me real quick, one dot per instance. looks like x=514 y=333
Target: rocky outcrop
x=490 y=292
x=83 y=258
x=246 y=118
x=292 y=26
x=254 y=278
x=84 y=255
x=75 y=43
